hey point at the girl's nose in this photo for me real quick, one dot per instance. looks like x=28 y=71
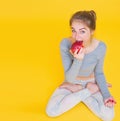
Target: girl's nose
x=77 y=37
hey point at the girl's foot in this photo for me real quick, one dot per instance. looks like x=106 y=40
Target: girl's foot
x=71 y=87
x=92 y=87
x=109 y=85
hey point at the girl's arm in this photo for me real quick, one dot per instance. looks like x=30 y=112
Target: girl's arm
x=99 y=74
x=71 y=65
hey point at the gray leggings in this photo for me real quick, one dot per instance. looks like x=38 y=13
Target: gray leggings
x=63 y=100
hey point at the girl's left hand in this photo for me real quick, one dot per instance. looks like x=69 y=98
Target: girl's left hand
x=110 y=102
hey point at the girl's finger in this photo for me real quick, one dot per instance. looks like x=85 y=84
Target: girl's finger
x=110 y=104
x=71 y=52
x=76 y=51
x=81 y=51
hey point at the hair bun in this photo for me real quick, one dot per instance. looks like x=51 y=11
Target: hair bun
x=93 y=14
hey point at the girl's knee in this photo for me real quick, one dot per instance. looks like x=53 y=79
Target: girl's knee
x=52 y=111
x=107 y=117
x=107 y=114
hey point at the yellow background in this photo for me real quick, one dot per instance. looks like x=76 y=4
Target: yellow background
x=30 y=62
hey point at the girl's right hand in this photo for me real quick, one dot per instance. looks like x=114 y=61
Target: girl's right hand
x=110 y=102
x=79 y=55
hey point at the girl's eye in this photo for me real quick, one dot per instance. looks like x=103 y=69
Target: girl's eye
x=82 y=32
x=73 y=30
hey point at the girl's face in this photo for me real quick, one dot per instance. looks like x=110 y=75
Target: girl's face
x=80 y=32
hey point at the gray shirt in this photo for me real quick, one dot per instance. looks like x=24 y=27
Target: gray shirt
x=92 y=62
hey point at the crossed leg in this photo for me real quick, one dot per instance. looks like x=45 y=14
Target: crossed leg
x=96 y=105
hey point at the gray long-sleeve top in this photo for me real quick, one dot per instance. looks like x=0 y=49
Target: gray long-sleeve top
x=92 y=62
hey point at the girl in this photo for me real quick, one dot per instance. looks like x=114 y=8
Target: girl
x=84 y=78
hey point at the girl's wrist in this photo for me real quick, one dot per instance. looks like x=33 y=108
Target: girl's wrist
x=79 y=59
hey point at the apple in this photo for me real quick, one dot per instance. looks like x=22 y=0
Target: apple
x=77 y=45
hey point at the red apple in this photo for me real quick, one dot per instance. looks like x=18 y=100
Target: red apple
x=77 y=45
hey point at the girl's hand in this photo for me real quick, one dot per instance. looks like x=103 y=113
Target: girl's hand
x=110 y=102
x=71 y=87
x=79 y=55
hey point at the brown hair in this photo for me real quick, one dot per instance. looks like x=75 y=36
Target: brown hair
x=87 y=17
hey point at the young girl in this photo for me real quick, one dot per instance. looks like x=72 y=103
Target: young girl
x=84 y=78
